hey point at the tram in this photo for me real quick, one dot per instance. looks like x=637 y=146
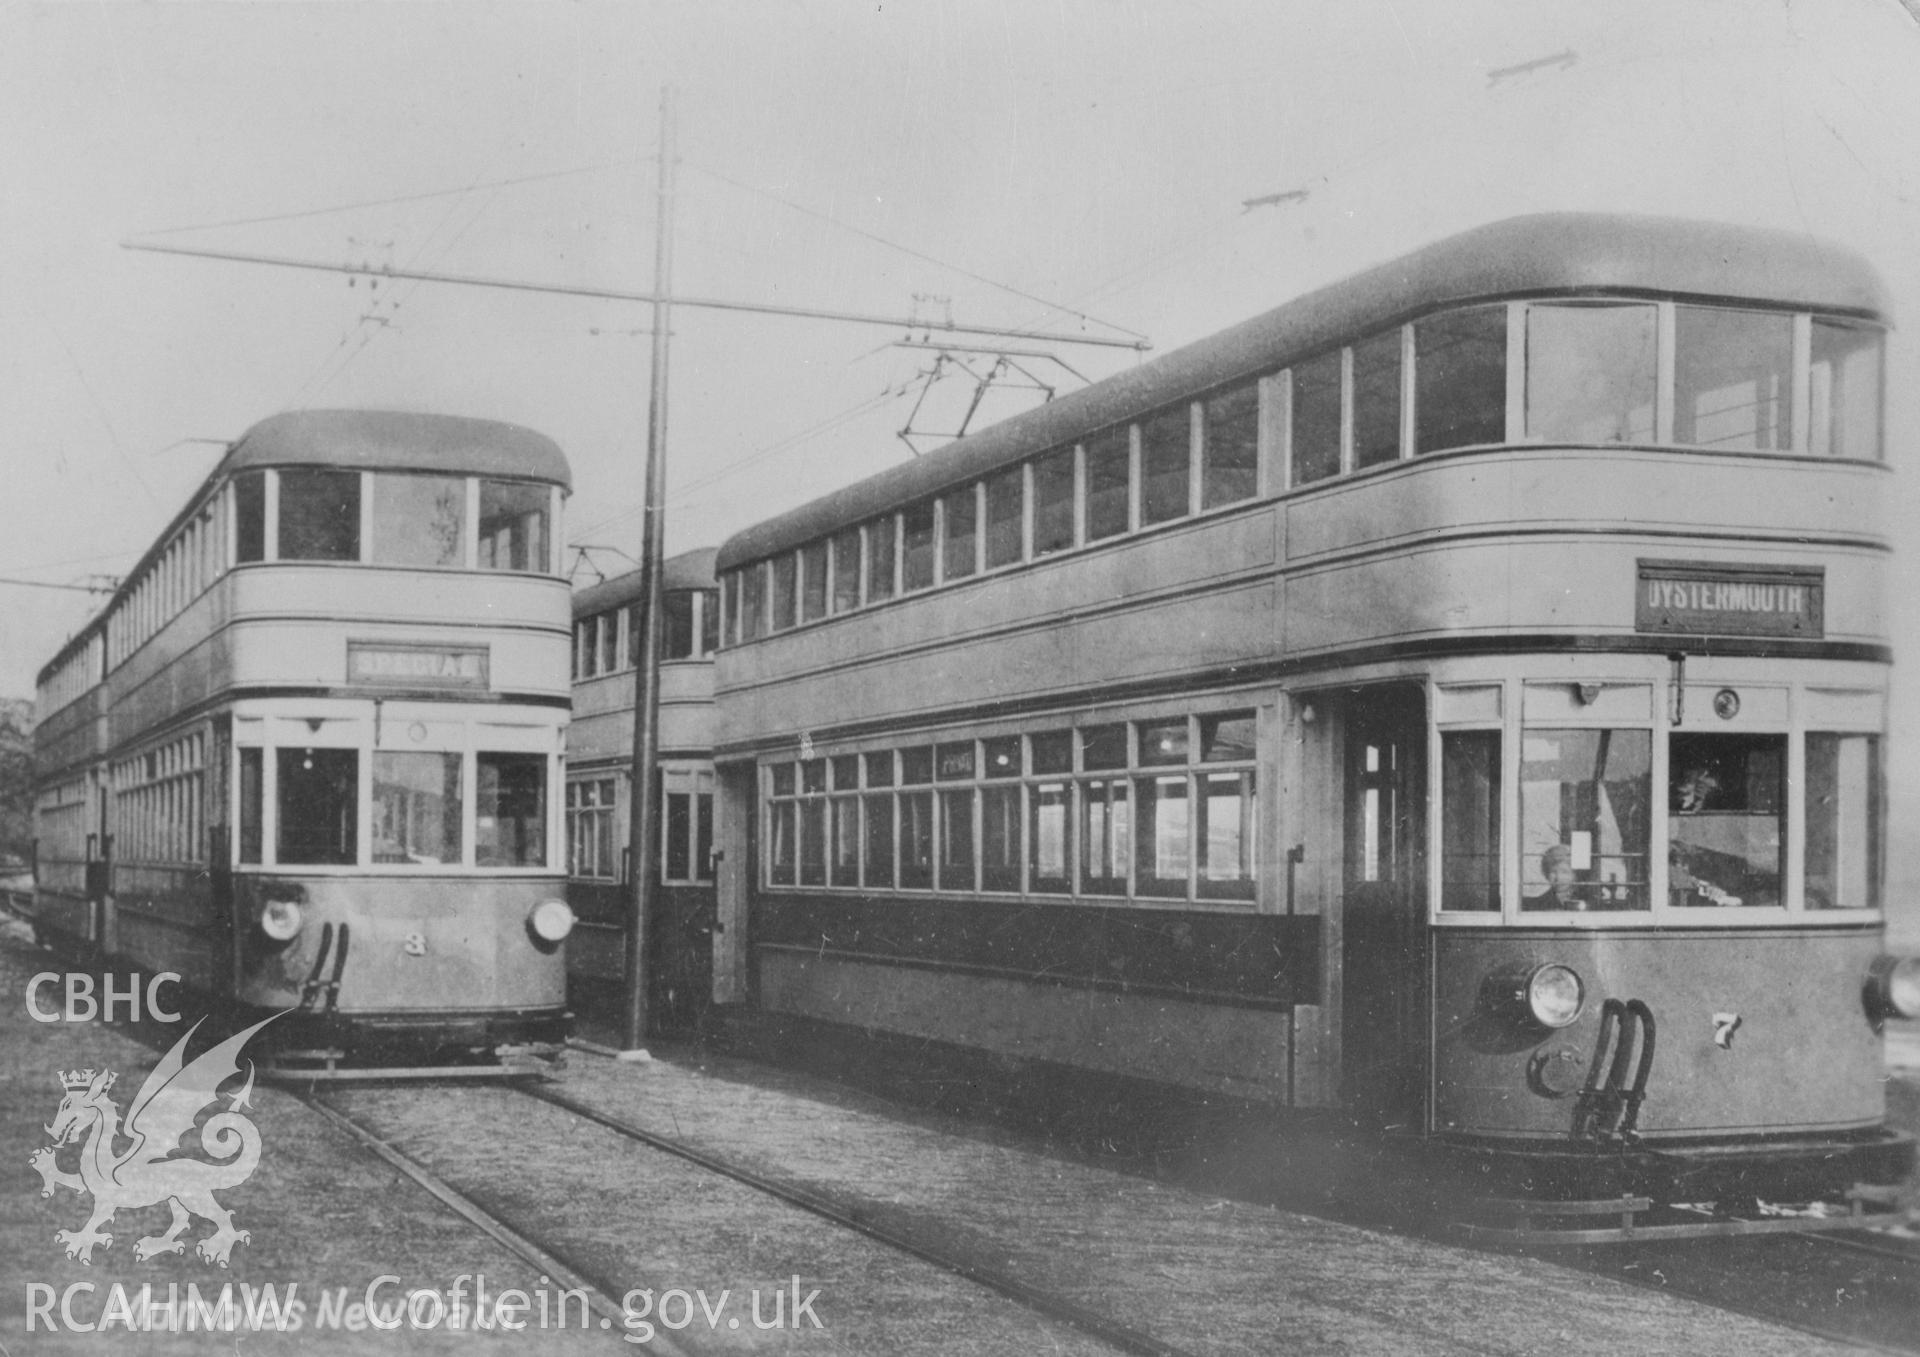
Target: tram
x=306 y=757
x=608 y=618
x=1453 y=702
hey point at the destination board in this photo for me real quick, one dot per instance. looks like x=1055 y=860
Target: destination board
x=1712 y=598
x=398 y=665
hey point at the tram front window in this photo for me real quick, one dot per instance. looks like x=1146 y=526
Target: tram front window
x=513 y=526
x=319 y=515
x=1591 y=372
x=318 y=806
x=510 y=814
x=1585 y=797
x=1727 y=829
x=416 y=808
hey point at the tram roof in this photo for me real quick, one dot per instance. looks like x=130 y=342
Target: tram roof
x=1543 y=255
x=397 y=440
x=689 y=570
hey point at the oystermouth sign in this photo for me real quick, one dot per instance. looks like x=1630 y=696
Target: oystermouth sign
x=1710 y=598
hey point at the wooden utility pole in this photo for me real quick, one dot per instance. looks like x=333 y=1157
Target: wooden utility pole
x=643 y=825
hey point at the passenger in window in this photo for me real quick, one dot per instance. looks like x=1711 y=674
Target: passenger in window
x=1556 y=865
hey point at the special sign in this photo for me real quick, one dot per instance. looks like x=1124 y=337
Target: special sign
x=389 y=665
x=1708 y=598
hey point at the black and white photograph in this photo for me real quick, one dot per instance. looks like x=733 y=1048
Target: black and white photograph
x=1162 y=677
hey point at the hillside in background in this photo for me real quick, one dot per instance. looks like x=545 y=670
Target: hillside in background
x=16 y=778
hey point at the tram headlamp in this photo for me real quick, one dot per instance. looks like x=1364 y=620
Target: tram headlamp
x=1555 y=995
x=1893 y=987
x=1548 y=995
x=551 y=920
x=281 y=920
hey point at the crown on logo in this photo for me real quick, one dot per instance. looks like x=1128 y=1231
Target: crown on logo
x=79 y=1079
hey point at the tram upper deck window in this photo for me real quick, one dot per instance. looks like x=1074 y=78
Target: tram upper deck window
x=1166 y=460
x=1460 y=379
x=416 y=807
x=250 y=516
x=510 y=810
x=782 y=598
x=1006 y=506
x=676 y=637
x=318 y=806
x=419 y=520
x=753 y=601
x=1733 y=379
x=319 y=515
x=1727 y=826
x=1053 y=502
x=1845 y=390
x=1376 y=400
x=1470 y=820
x=1230 y=446
x=960 y=515
x=1591 y=372
x=880 y=559
x=709 y=620
x=916 y=564
x=1316 y=418
x=846 y=570
x=1585 y=798
x=513 y=526
x=813 y=581
x=1845 y=826
x=1109 y=483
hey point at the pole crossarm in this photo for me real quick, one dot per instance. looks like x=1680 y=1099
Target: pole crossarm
x=919 y=324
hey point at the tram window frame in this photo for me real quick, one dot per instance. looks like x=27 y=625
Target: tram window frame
x=321 y=829
x=319 y=517
x=679 y=629
x=1841 y=423
x=844 y=595
x=250 y=517
x=1003 y=522
x=514 y=527
x=1596 y=893
x=1056 y=511
x=1831 y=791
x=1376 y=429
x=1632 y=383
x=1317 y=418
x=1459 y=379
x=1166 y=465
x=1472 y=813
x=490 y=845
x=1703 y=353
x=960 y=533
x=883 y=558
x=1723 y=789
x=919 y=547
x=782 y=597
x=592 y=814
x=813 y=581
x=384 y=811
x=418 y=520
x=1108 y=476
x=1229 y=423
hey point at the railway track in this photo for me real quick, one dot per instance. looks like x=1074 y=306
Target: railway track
x=1857 y=1288
x=553 y=1257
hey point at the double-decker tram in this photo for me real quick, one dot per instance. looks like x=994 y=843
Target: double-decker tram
x=608 y=618
x=1452 y=702
x=308 y=757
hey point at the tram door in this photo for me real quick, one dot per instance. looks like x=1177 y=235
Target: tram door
x=1384 y=948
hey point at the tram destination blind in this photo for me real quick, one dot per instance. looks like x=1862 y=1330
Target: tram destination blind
x=1706 y=598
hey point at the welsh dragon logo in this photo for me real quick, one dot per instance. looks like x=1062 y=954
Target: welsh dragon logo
x=146 y=1172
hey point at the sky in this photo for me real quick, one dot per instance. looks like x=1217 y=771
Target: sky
x=1077 y=166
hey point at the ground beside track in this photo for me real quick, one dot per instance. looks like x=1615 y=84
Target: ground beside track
x=1211 y=1276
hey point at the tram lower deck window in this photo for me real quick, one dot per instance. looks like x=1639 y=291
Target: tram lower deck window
x=416 y=807
x=318 y=806
x=510 y=812
x=1585 y=799
x=1470 y=820
x=1726 y=819
x=1845 y=825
